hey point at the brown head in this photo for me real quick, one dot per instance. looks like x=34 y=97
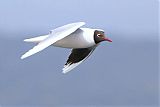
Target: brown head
x=99 y=36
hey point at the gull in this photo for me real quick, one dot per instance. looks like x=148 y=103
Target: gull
x=82 y=41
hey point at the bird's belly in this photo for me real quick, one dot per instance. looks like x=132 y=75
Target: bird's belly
x=74 y=40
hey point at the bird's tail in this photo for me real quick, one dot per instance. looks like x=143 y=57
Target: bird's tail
x=36 y=39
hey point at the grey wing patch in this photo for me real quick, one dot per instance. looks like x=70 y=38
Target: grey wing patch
x=76 y=57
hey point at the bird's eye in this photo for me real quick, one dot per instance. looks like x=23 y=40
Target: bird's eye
x=99 y=35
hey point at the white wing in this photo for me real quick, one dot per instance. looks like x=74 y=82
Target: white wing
x=54 y=36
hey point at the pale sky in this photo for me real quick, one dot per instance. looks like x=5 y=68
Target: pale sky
x=124 y=72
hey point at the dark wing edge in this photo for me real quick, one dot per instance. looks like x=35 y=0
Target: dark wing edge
x=76 y=57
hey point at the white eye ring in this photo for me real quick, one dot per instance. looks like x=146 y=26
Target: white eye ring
x=98 y=35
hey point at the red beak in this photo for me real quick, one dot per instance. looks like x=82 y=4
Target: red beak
x=107 y=39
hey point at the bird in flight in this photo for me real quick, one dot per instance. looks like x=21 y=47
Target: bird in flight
x=82 y=41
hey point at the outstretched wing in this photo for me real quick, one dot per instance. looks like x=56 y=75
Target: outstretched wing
x=54 y=36
x=76 y=57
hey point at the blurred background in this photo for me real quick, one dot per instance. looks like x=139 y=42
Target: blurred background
x=121 y=73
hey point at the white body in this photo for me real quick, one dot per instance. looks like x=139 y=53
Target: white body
x=81 y=38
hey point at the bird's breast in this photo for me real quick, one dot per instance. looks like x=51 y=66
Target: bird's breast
x=81 y=38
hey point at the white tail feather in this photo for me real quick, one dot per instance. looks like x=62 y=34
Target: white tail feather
x=36 y=39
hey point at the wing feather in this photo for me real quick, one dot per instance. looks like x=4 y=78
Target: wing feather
x=76 y=57
x=54 y=36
